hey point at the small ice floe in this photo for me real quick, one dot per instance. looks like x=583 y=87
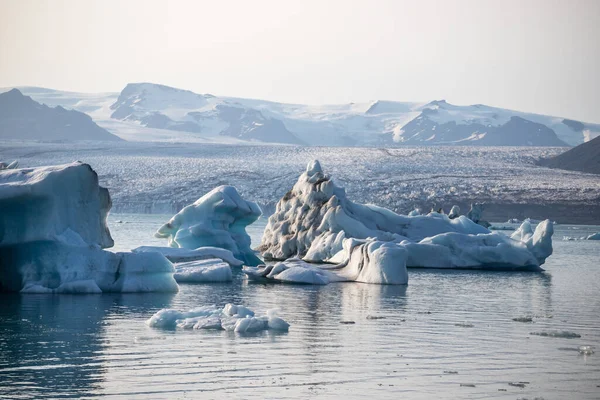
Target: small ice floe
x=212 y=270
x=558 y=334
x=523 y=319
x=594 y=236
x=236 y=318
x=518 y=384
x=501 y=228
x=464 y=325
x=375 y=317
x=586 y=350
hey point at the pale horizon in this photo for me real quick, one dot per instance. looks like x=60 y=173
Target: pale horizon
x=540 y=56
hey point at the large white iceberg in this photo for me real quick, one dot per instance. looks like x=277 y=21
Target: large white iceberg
x=315 y=219
x=52 y=231
x=236 y=318
x=219 y=219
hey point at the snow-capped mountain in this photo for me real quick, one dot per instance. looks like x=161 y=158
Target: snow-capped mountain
x=443 y=123
x=23 y=118
x=151 y=112
x=163 y=107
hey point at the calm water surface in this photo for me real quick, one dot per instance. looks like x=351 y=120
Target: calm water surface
x=444 y=330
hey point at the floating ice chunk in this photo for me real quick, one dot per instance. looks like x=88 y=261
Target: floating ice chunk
x=375 y=261
x=491 y=251
x=210 y=322
x=219 y=219
x=275 y=323
x=475 y=214
x=586 y=350
x=367 y=261
x=251 y=324
x=523 y=319
x=168 y=318
x=178 y=255
x=237 y=310
x=213 y=270
x=303 y=275
x=454 y=212
x=559 y=334
x=414 y=212
x=293 y=271
x=230 y=318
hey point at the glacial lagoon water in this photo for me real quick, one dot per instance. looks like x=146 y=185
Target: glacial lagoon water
x=448 y=334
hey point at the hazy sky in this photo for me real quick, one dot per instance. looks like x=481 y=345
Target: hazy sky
x=541 y=56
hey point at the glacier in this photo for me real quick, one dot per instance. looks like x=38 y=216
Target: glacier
x=234 y=318
x=317 y=223
x=53 y=231
x=218 y=219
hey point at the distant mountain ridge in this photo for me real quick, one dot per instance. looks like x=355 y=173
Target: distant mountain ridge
x=23 y=118
x=583 y=158
x=163 y=107
x=147 y=112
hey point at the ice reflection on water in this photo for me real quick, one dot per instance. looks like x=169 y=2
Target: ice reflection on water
x=75 y=346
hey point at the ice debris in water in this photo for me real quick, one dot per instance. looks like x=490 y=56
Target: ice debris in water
x=559 y=334
x=232 y=317
x=523 y=319
x=464 y=325
x=586 y=350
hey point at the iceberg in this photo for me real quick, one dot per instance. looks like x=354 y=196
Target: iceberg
x=53 y=231
x=316 y=222
x=235 y=318
x=219 y=219
x=315 y=211
x=366 y=261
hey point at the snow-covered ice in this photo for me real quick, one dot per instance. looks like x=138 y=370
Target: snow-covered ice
x=219 y=219
x=236 y=318
x=52 y=231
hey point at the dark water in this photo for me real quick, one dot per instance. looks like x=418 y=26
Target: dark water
x=443 y=330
